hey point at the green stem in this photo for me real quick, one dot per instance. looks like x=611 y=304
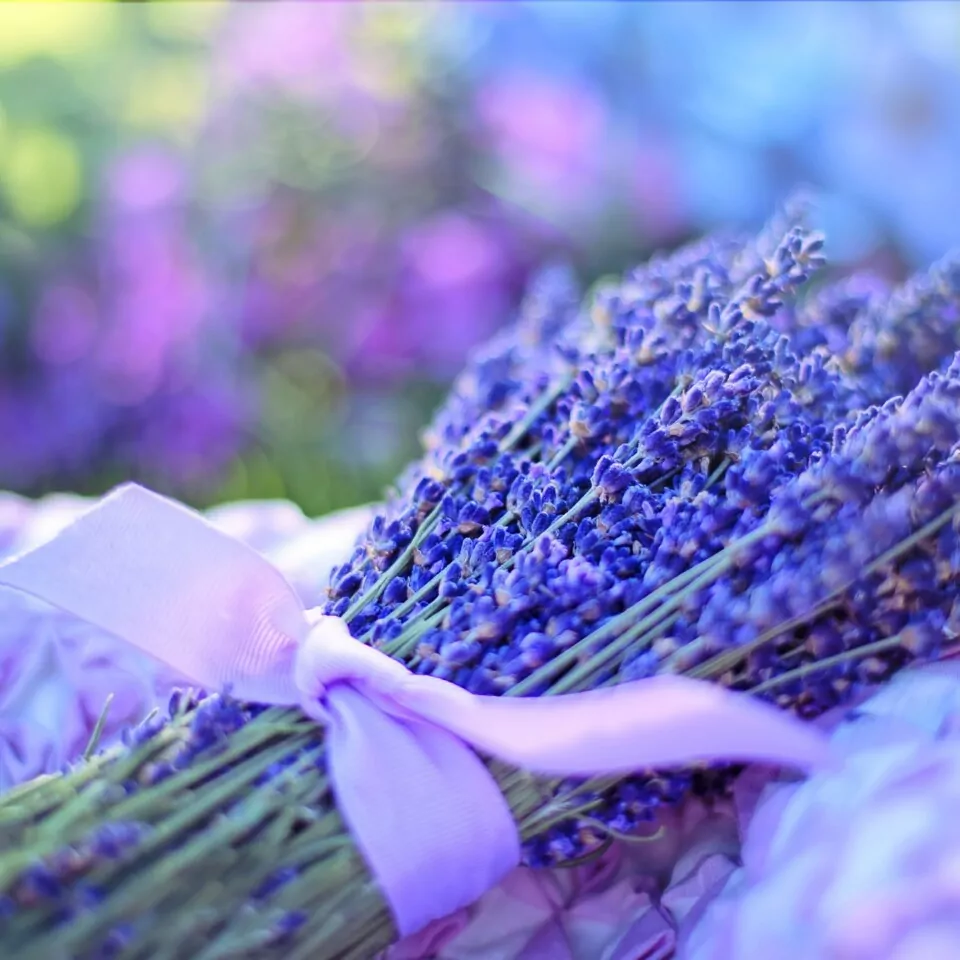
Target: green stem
x=562 y=453
x=516 y=434
x=730 y=658
x=585 y=501
x=724 y=661
x=622 y=620
x=878 y=646
x=644 y=628
x=396 y=567
x=718 y=472
x=674 y=594
x=538 y=408
x=431 y=585
x=97 y=733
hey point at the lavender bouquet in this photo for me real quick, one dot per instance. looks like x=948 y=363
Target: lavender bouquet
x=700 y=472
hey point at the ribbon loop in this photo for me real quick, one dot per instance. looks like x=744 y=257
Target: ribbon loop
x=329 y=655
x=424 y=811
x=160 y=577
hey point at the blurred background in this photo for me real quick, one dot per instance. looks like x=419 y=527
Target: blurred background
x=243 y=247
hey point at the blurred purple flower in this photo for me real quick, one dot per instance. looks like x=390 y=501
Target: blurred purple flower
x=260 y=46
x=146 y=179
x=381 y=189
x=49 y=425
x=419 y=296
x=547 y=132
x=64 y=328
x=128 y=365
x=157 y=300
x=190 y=434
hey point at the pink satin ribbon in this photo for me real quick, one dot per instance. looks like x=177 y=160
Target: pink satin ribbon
x=427 y=816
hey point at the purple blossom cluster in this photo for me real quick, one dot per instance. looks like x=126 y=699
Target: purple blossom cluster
x=702 y=470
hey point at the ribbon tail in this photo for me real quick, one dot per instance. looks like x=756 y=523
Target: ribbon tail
x=157 y=575
x=661 y=721
x=424 y=811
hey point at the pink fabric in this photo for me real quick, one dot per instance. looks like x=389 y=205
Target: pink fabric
x=861 y=862
x=626 y=905
x=166 y=581
x=24 y=751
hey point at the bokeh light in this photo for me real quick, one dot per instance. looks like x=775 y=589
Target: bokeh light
x=243 y=247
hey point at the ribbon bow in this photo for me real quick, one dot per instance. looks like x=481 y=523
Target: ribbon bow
x=424 y=811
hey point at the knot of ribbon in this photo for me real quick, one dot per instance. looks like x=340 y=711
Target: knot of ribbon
x=403 y=750
x=328 y=655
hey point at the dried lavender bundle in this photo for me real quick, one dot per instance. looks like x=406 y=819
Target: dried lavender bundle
x=700 y=471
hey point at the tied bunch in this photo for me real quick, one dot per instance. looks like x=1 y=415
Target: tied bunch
x=701 y=471
x=698 y=473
